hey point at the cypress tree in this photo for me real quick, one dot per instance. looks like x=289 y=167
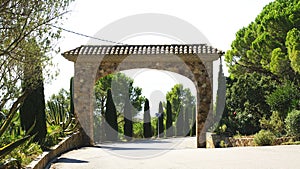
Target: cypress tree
x=161 y=120
x=72 y=96
x=186 y=121
x=127 y=120
x=169 y=126
x=179 y=123
x=111 y=125
x=147 y=120
x=194 y=121
x=32 y=111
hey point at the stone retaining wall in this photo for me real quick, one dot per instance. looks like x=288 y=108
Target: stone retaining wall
x=74 y=141
x=241 y=142
x=213 y=141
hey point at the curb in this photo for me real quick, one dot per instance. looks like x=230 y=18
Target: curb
x=74 y=141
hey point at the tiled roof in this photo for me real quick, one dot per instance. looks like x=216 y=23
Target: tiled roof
x=142 y=50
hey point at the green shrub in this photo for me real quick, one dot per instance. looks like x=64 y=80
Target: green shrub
x=284 y=99
x=26 y=153
x=138 y=131
x=218 y=128
x=246 y=103
x=274 y=124
x=23 y=155
x=292 y=122
x=264 y=138
x=16 y=147
x=54 y=136
x=223 y=144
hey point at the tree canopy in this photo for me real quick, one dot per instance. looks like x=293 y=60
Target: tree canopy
x=122 y=88
x=264 y=68
x=179 y=96
x=26 y=38
x=181 y=104
x=270 y=44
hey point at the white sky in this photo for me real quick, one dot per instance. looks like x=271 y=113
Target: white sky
x=218 y=20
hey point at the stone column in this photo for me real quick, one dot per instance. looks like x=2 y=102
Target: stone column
x=208 y=62
x=209 y=118
x=86 y=68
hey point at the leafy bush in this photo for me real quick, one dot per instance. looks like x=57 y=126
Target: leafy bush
x=223 y=144
x=138 y=131
x=264 y=138
x=154 y=126
x=219 y=129
x=274 y=124
x=247 y=123
x=54 y=135
x=292 y=122
x=245 y=102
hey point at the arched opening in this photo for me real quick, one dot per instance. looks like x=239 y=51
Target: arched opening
x=157 y=86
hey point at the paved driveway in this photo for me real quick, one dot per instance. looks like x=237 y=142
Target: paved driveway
x=178 y=153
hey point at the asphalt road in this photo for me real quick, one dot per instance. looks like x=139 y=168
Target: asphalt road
x=177 y=153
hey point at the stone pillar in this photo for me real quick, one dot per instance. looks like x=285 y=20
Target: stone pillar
x=86 y=68
x=208 y=62
x=209 y=118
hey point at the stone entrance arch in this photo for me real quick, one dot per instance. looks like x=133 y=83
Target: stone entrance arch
x=194 y=61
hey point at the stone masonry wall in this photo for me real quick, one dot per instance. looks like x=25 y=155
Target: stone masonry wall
x=90 y=68
x=213 y=141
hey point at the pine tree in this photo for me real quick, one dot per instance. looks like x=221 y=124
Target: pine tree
x=179 y=123
x=127 y=120
x=169 y=126
x=147 y=120
x=111 y=125
x=161 y=120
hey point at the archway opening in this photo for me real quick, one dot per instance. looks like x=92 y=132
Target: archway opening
x=157 y=86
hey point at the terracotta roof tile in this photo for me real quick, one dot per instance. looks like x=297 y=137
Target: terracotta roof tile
x=142 y=49
x=177 y=49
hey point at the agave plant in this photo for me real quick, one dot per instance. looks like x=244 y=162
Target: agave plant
x=10 y=129
x=59 y=112
x=14 y=131
x=10 y=147
x=58 y=115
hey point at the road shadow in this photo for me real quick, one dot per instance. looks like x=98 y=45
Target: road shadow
x=142 y=141
x=131 y=148
x=69 y=160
